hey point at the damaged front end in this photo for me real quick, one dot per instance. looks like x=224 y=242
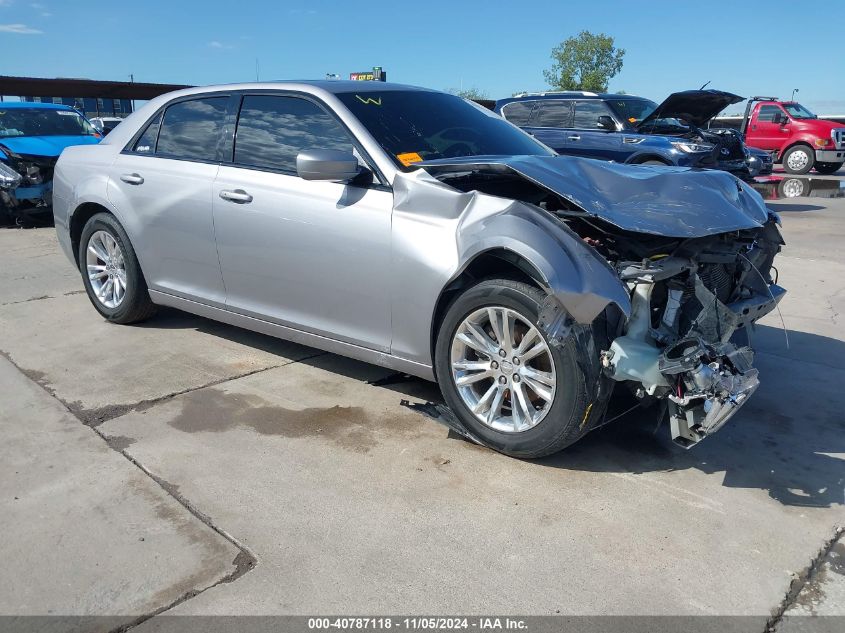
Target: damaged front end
x=693 y=251
x=688 y=339
x=26 y=186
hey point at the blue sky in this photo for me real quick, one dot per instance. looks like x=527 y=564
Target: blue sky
x=499 y=47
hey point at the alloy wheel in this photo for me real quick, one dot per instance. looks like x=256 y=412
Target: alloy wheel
x=503 y=369
x=106 y=269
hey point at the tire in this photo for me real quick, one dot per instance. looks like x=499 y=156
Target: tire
x=564 y=414
x=828 y=168
x=801 y=157
x=653 y=162
x=134 y=304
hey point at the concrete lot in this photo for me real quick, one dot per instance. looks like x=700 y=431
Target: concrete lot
x=188 y=467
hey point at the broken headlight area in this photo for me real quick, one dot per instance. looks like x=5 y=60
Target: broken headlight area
x=26 y=187
x=9 y=178
x=688 y=338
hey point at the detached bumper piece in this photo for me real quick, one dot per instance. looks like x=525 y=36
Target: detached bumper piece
x=711 y=383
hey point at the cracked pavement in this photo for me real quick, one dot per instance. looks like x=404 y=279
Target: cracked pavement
x=270 y=478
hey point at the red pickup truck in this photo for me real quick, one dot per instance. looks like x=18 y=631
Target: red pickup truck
x=794 y=135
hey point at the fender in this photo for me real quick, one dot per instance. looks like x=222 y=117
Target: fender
x=474 y=223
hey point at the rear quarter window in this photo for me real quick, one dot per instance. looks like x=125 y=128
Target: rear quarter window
x=518 y=112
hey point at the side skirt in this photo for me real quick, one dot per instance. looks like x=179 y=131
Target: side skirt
x=296 y=336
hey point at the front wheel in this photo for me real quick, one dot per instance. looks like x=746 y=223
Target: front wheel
x=508 y=385
x=110 y=272
x=828 y=168
x=798 y=159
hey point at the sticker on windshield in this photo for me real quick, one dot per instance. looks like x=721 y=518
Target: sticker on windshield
x=632 y=120
x=66 y=113
x=409 y=158
x=369 y=100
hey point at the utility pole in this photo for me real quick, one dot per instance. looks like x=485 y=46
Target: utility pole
x=794 y=90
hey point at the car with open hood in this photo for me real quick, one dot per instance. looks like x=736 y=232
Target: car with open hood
x=418 y=231
x=32 y=135
x=630 y=129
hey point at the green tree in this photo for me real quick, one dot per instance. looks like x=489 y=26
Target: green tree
x=584 y=62
x=469 y=93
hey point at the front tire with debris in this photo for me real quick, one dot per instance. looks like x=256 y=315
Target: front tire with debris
x=508 y=384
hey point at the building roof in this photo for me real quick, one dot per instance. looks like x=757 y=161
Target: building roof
x=68 y=87
x=7 y=105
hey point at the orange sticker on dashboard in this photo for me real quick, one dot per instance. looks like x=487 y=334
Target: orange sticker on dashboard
x=409 y=158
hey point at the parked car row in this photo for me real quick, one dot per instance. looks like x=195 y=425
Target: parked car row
x=633 y=130
x=416 y=230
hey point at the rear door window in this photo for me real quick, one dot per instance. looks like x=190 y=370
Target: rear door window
x=587 y=114
x=191 y=129
x=556 y=113
x=272 y=130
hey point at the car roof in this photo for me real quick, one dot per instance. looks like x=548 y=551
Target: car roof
x=333 y=86
x=12 y=105
x=569 y=94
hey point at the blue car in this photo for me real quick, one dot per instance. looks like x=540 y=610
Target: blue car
x=629 y=129
x=32 y=135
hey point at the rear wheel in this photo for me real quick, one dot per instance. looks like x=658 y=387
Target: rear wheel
x=110 y=272
x=502 y=378
x=828 y=168
x=798 y=159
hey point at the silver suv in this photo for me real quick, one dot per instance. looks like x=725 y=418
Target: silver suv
x=415 y=230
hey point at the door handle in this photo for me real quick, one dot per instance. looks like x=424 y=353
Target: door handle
x=132 y=179
x=574 y=137
x=237 y=195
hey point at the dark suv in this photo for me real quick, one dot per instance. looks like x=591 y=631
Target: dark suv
x=629 y=129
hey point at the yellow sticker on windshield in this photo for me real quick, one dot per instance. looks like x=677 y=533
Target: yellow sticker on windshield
x=369 y=100
x=409 y=158
x=631 y=120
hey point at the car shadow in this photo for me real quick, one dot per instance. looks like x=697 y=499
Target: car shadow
x=786 y=207
x=789 y=440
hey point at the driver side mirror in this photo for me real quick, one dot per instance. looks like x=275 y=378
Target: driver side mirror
x=327 y=164
x=780 y=118
x=606 y=123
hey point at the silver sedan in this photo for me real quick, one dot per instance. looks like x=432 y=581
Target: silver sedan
x=416 y=230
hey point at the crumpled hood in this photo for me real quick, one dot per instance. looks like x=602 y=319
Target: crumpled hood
x=50 y=146
x=671 y=201
x=694 y=106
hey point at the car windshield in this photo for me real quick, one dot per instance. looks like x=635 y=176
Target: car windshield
x=797 y=111
x=43 y=122
x=632 y=111
x=416 y=125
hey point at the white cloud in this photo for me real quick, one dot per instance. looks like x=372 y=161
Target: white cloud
x=219 y=45
x=20 y=29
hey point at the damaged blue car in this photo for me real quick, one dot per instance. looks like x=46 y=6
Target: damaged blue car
x=32 y=135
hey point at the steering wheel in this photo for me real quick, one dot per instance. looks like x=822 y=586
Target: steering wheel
x=456 y=150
